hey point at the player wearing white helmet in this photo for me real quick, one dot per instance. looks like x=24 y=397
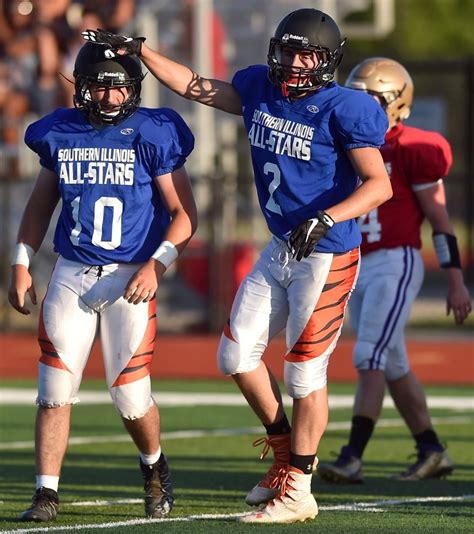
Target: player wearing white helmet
x=391 y=276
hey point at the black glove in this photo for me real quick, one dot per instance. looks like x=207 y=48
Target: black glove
x=113 y=42
x=307 y=235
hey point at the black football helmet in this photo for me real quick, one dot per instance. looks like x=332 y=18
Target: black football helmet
x=92 y=67
x=305 y=29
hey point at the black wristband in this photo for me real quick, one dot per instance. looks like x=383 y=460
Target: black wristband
x=325 y=219
x=447 y=251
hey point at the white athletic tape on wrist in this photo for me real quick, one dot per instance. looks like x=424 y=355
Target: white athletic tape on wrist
x=447 y=250
x=23 y=255
x=166 y=253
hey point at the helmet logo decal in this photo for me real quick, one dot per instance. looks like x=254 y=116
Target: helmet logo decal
x=120 y=76
x=313 y=109
x=127 y=131
x=289 y=36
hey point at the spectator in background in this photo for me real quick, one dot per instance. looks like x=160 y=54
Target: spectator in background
x=89 y=18
x=391 y=276
x=30 y=60
x=117 y=15
x=53 y=14
x=32 y=53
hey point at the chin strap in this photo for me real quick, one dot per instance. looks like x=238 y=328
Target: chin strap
x=284 y=89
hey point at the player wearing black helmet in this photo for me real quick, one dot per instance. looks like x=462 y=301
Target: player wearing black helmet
x=95 y=75
x=127 y=211
x=309 y=140
x=315 y=36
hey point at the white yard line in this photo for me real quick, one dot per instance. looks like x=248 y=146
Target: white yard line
x=376 y=506
x=190 y=434
x=19 y=396
x=348 y=506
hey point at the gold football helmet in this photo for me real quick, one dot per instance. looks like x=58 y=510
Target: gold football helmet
x=389 y=81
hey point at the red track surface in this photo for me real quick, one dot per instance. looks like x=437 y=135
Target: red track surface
x=191 y=356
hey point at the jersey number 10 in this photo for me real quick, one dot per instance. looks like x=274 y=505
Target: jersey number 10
x=99 y=216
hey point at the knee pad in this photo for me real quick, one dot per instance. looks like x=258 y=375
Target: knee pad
x=302 y=378
x=133 y=400
x=233 y=359
x=366 y=356
x=56 y=387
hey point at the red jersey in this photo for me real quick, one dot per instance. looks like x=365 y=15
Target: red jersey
x=412 y=157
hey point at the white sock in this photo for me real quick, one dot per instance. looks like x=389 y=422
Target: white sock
x=47 y=481
x=150 y=459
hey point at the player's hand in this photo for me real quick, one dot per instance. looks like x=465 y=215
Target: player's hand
x=459 y=302
x=307 y=235
x=21 y=283
x=143 y=284
x=115 y=45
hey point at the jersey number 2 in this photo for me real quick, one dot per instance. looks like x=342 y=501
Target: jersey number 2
x=271 y=168
x=100 y=205
x=369 y=224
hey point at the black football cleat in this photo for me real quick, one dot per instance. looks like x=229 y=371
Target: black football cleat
x=158 y=489
x=43 y=508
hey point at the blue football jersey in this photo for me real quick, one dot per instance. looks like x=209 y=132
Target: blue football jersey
x=299 y=151
x=112 y=211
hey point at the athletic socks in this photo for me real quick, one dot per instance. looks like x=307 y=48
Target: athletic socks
x=47 y=481
x=302 y=462
x=361 y=431
x=150 y=459
x=428 y=440
x=280 y=427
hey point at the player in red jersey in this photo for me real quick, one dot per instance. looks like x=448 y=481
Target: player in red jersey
x=391 y=276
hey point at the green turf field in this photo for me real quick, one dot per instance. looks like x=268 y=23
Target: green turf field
x=214 y=465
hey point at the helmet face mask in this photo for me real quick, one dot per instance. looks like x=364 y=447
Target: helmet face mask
x=91 y=70
x=307 y=32
x=389 y=81
x=299 y=78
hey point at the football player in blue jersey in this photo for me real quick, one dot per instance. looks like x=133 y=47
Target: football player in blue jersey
x=310 y=140
x=127 y=212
